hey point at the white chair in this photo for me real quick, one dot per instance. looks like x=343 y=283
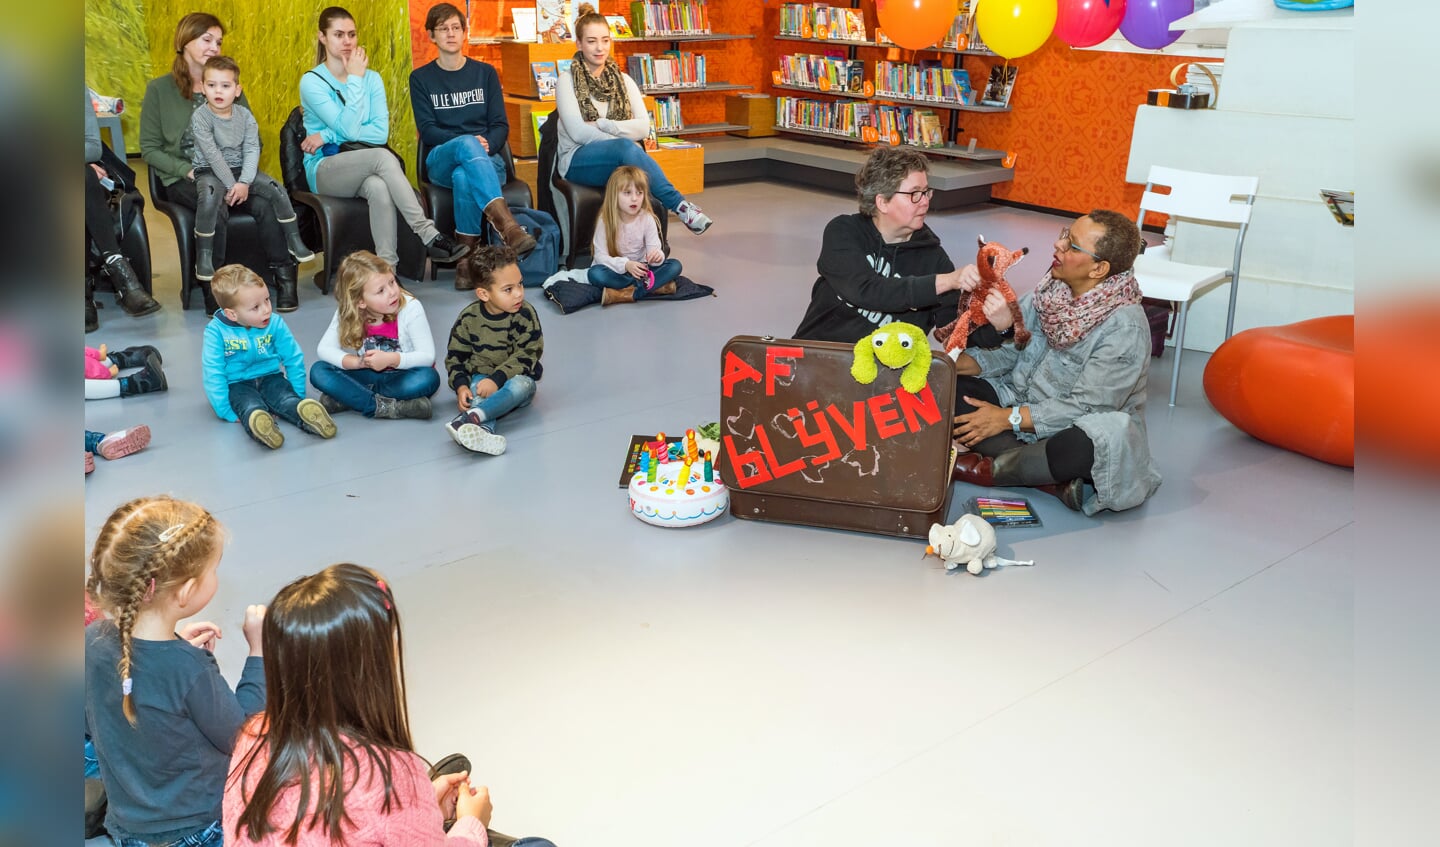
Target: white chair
x=1203 y=198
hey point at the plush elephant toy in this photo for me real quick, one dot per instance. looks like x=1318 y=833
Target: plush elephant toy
x=895 y=345
x=969 y=541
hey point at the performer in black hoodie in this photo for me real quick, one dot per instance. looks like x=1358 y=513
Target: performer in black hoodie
x=884 y=264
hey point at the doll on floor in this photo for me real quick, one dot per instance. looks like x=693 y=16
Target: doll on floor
x=103 y=366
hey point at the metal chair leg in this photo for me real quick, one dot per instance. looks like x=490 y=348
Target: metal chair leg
x=1179 y=348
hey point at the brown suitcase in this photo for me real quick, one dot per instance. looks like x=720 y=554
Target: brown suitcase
x=804 y=443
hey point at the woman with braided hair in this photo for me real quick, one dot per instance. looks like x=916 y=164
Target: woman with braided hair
x=162 y=718
x=602 y=116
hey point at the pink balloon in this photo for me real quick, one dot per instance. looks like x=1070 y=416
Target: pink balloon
x=1085 y=23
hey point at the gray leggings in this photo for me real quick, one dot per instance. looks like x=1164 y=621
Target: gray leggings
x=376 y=176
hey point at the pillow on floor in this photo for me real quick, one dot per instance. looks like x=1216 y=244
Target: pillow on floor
x=571 y=296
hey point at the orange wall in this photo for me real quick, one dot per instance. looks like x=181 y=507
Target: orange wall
x=1072 y=110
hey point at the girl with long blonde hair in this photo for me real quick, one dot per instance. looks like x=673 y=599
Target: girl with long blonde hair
x=378 y=356
x=629 y=257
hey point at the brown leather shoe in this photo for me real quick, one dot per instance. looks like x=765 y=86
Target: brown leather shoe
x=611 y=296
x=975 y=469
x=1071 y=493
x=463 y=280
x=513 y=234
x=667 y=288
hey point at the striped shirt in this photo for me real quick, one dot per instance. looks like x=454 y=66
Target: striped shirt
x=497 y=346
x=225 y=143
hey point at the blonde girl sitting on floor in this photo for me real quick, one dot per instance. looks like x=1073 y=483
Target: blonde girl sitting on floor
x=629 y=260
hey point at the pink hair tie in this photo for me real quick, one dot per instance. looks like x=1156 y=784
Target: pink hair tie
x=386 y=590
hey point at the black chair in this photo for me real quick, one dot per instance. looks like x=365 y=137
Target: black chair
x=439 y=201
x=344 y=222
x=580 y=207
x=242 y=239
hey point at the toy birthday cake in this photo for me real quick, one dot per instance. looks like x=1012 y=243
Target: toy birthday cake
x=676 y=485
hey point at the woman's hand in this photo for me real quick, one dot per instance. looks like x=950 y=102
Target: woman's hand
x=655 y=257
x=964 y=279
x=99 y=171
x=312 y=143
x=474 y=802
x=483 y=142
x=988 y=419
x=997 y=311
x=358 y=62
x=202 y=634
x=636 y=269
x=190 y=174
x=447 y=791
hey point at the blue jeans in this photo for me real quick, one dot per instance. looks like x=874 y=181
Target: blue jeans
x=462 y=165
x=272 y=393
x=665 y=272
x=211 y=836
x=92 y=760
x=593 y=163
x=92 y=440
x=357 y=388
x=516 y=393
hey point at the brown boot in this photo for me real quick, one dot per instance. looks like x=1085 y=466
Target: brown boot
x=667 y=288
x=1071 y=493
x=463 y=280
x=611 y=296
x=975 y=469
x=511 y=232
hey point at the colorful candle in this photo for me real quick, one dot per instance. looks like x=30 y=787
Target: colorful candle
x=644 y=460
x=709 y=468
x=691 y=449
x=651 y=466
x=684 y=479
x=662 y=454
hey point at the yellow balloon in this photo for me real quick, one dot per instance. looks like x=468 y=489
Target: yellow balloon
x=1014 y=28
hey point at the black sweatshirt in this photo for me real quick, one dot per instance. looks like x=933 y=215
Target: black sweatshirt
x=449 y=104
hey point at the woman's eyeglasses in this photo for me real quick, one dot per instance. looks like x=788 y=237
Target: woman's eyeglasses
x=452 y=29
x=1069 y=245
x=917 y=195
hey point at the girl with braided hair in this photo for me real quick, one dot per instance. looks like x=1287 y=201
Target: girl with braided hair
x=162 y=718
x=602 y=117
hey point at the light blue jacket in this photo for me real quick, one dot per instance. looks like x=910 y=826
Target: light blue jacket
x=363 y=116
x=232 y=353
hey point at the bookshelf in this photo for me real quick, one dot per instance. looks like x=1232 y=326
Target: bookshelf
x=803 y=28
x=675 y=40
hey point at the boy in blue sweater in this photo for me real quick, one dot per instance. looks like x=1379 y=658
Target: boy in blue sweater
x=460 y=114
x=254 y=370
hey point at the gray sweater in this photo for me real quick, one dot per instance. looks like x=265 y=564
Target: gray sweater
x=166 y=774
x=225 y=143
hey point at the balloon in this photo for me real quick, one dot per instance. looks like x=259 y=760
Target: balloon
x=1013 y=28
x=915 y=24
x=1147 y=22
x=1085 y=23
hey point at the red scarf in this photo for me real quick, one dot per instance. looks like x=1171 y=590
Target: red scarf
x=1067 y=319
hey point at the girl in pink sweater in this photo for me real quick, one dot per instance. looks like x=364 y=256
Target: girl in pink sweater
x=628 y=256
x=330 y=760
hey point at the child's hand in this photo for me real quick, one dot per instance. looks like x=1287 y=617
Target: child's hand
x=655 y=257
x=635 y=269
x=254 y=617
x=238 y=193
x=379 y=360
x=485 y=387
x=202 y=634
x=447 y=791
x=474 y=802
x=463 y=398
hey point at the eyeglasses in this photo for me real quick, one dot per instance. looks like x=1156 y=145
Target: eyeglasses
x=917 y=195
x=1070 y=245
x=453 y=29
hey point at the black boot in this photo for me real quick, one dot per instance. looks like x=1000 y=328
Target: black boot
x=294 y=243
x=148 y=380
x=134 y=357
x=92 y=314
x=129 y=293
x=287 y=298
x=204 y=257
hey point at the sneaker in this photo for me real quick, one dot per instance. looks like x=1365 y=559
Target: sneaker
x=124 y=442
x=262 y=426
x=442 y=249
x=332 y=405
x=470 y=433
x=89 y=463
x=315 y=418
x=692 y=217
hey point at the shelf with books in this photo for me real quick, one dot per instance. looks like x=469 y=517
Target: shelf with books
x=841 y=42
x=832 y=92
x=702 y=129
x=938 y=104
x=666 y=17
x=677 y=38
x=818 y=133
x=822 y=20
x=691 y=89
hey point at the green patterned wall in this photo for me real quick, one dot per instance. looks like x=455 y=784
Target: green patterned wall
x=117 y=58
x=273 y=42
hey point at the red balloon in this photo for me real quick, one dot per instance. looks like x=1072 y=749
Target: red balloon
x=915 y=24
x=1085 y=23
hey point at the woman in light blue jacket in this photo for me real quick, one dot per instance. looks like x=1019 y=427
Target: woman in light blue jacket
x=344 y=103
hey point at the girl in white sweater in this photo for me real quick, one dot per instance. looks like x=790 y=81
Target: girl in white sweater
x=378 y=356
x=627 y=249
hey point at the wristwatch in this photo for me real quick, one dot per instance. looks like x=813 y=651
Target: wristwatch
x=1015 y=418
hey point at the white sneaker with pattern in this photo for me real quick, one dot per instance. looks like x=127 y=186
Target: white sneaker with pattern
x=692 y=217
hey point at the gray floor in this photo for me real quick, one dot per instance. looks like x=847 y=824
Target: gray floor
x=1178 y=674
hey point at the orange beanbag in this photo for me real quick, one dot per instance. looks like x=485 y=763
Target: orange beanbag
x=1292 y=386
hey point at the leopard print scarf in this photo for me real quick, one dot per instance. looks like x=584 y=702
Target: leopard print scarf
x=1066 y=319
x=609 y=88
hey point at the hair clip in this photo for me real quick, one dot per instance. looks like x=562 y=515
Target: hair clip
x=126 y=685
x=171 y=532
x=384 y=589
x=149 y=592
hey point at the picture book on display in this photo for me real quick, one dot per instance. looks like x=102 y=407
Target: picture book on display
x=545 y=78
x=538 y=117
x=552 y=20
x=619 y=27
x=632 y=455
x=524 y=24
x=1000 y=86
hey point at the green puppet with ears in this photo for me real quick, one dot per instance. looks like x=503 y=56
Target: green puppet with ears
x=894 y=345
